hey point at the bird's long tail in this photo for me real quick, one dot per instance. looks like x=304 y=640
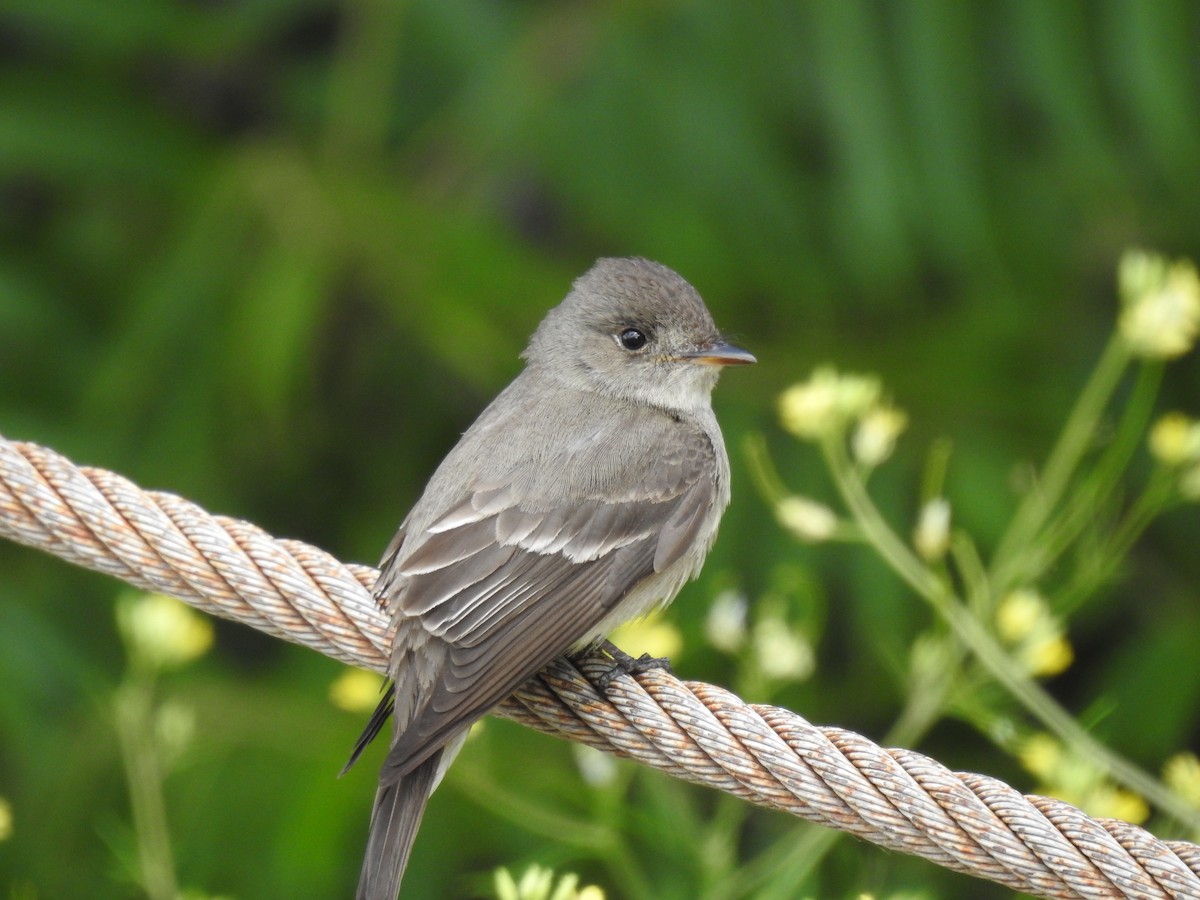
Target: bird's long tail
x=394 y=823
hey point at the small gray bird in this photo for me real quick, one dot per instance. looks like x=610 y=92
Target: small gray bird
x=585 y=495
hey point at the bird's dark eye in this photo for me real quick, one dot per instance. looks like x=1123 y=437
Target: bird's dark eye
x=632 y=338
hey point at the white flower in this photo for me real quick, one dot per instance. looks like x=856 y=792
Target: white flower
x=1161 y=305
x=1189 y=484
x=826 y=403
x=875 y=437
x=807 y=519
x=725 y=624
x=538 y=884
x=174 y=727
x=932 y=534
x=781 y=653
x=599 y=769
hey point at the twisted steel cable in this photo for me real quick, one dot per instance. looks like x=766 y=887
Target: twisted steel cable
x=896 y=798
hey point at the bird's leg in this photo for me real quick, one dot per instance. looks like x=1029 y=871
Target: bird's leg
x=624 y=664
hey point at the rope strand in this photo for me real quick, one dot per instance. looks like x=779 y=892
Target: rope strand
x=898 y=799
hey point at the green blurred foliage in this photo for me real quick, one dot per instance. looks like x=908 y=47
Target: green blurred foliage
x=274 y=255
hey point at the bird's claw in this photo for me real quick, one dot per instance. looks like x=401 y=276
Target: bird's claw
x=624 y=664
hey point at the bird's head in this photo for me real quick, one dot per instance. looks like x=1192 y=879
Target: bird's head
x=634 y=329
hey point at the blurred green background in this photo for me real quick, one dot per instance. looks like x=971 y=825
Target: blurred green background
x=275 y=255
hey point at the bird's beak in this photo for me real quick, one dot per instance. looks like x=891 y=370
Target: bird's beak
x=718 y=353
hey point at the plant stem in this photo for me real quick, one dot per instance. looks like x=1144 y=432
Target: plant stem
x=984 y=647
x=1104 y=560
x=770 y=486
x=1055 y=477
x=134 y=718
x=1087 y=502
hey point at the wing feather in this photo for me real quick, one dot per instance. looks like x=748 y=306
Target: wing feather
x=513 y=525
x=481 y=674
x=681 y=529
x=444 y=548
x=451 y=621
x=452 y=584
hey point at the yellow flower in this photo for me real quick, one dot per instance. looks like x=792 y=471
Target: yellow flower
x=1175 y=439
x=652 y=634
x=1111 y=802
x=1182 y=775
x=1041 y=754
x=875 y=437
x=161 y=631
x=1161 y=304
x=1024 y=621
x=806 y=519
x=1064 y=775
x=356 y=690
x=1050 y=655
x=827 y=402
x=6 y=820
x=1019 y=613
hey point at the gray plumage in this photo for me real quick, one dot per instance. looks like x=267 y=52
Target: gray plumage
x=585 y=495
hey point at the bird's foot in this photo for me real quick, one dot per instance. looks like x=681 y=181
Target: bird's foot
x=624 y=664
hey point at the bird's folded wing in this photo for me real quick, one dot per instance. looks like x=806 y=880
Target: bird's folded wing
x=500 y=585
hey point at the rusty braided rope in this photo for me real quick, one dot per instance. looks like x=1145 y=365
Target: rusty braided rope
x=895 y=798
